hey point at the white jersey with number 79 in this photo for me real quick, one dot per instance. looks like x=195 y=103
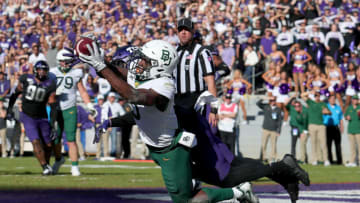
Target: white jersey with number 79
x=66 y=86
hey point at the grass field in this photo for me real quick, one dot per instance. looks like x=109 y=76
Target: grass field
x=25 y=173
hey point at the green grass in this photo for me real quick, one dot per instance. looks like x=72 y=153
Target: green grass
x=25 y=173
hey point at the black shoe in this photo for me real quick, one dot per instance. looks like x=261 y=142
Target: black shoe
x=293 y=190
x=300 y=174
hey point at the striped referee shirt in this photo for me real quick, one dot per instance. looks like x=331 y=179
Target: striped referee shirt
x=194 y=64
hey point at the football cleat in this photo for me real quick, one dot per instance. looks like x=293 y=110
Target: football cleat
x=56 y=166
x=248 y=195
x=47 y=170
x=75 y=171
x=300 y=174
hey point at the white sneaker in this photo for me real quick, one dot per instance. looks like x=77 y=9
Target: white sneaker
x=57 y=164
x=244 y=123
x=47 y=171
x=315 y=163
x=75 y=171
x=350 y=165
x=327 y=163
x=244 y=192
x=82 y=158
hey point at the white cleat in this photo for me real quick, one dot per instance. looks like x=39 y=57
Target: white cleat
x=247 y=193
x=75 y=171
x=47 y=171
x=350 y=165
x=327 y=163
x=56 y=166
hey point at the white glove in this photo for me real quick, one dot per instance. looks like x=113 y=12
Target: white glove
x=96 y=58
x=91 y=109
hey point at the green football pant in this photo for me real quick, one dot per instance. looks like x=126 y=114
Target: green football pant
x=177 y=174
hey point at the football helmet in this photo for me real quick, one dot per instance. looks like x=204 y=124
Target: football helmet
x=122 y=55
x=154 y=59
x=64 y=59
x=43 y=65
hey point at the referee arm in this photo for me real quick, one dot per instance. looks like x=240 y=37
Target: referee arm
x=209 y=77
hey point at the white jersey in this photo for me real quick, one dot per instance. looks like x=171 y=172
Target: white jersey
x=157 y=128
x=66 y=86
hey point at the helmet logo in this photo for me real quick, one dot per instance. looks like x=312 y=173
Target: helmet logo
x=166 y=57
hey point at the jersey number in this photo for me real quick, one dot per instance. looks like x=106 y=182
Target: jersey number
x=34 y=93
x=68 y=82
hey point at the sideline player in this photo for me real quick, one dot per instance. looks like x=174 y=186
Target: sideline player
x=37 y=90
x=68 y=82
x=153 y=95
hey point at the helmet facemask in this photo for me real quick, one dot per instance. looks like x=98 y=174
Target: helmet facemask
x=42 y=76
x=65 y=65
x=140 y=65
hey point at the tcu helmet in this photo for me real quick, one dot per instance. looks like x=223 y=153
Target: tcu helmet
x=122 y=55
x=160 y=59
x=43 y=66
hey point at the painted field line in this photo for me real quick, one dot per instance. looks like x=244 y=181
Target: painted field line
x=113 y=166
x=133 y=161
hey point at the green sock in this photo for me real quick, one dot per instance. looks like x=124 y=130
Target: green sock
x=75 y=163
x=218 y=194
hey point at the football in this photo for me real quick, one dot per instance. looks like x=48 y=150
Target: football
x=80 y=46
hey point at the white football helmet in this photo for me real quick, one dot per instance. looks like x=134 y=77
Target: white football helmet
x=154 y=59
x=63 y=55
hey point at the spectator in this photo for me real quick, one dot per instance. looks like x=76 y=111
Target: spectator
x=317 y=130
x=250 y=58
x=227 y=116
x=116 y=111
x=228 y=54
x=299 y=126
x=103 y=113
x=3 y=129
x=334 y=129
x=36 y=55
x=352 y=115
x=4 y=85
x=271 y=128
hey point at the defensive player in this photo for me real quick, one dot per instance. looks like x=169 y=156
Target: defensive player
x=68 y=82
x=37 y=90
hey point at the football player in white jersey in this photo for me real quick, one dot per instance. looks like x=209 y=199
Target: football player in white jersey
x=153 y=92
x=68 y=82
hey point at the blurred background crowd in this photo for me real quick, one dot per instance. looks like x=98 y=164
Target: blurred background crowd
x=276 y=47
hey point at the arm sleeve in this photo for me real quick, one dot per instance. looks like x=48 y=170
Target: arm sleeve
x=260 y=104
x=206 y=63
x=165 y=87
x=53 y=114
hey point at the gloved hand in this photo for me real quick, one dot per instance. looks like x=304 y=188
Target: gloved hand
x=96 y=57
x=76 y=60
x=53 y=134
x=100 y=130
x=91 y=109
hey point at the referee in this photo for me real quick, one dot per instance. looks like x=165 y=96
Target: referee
x=194 y=75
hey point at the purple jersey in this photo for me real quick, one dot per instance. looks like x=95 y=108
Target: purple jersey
x=4 y=86
x=36 y=95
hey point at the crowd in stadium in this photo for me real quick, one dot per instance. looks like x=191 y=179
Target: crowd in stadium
x=292 y=49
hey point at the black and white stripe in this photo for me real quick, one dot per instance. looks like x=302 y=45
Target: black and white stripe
x=190 y=72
